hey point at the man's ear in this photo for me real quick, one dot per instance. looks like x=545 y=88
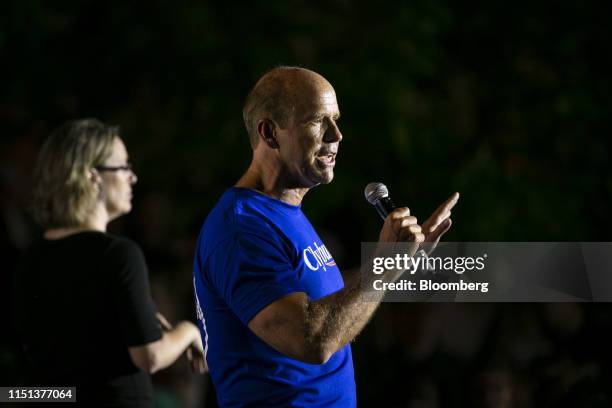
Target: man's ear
x=266 y=129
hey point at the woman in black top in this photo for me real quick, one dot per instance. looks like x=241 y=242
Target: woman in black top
x=84 y=308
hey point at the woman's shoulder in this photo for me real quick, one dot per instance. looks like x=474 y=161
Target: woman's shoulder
x=92 y=242
x=119 y=245
x=124 y=256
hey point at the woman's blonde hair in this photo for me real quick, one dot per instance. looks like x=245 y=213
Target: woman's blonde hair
x=64 y=194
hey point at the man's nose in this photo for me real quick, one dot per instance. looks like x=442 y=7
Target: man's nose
x=133 y=177
x=333 y=134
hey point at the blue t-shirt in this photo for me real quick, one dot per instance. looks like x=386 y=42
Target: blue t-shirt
x=253 y=250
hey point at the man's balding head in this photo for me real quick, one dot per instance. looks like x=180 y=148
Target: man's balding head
x=277 y=94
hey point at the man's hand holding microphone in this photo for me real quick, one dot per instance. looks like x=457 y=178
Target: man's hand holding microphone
x=401 y=227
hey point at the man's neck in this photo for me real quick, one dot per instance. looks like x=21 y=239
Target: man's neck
x=269 y=182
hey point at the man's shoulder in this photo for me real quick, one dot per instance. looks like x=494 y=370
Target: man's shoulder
x=236 y=216
x=238 y=212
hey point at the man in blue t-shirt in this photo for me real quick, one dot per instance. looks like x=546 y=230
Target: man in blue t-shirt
x=275 y=313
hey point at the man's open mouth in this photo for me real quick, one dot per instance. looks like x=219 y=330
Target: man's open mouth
x=327 y=159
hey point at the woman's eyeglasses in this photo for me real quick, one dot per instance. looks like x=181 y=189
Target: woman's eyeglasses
x=125 y=167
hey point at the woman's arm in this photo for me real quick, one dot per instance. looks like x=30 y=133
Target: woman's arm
x=152 y=357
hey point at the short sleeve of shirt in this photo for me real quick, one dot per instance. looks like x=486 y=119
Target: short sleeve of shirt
x=250 y=271
x=131 y=292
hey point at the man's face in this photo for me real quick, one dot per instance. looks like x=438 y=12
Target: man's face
x=309 y=143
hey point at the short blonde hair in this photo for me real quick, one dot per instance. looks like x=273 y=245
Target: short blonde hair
x=64 y=194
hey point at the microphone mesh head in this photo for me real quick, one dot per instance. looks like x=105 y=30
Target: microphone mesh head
x=374 y=192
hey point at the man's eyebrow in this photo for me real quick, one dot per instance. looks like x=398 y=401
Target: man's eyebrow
x=314 y=116
x=321 y=115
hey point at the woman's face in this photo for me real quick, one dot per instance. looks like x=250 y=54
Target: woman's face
x=117 y=180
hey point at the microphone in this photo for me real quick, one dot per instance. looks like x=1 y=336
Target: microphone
x=377 y=194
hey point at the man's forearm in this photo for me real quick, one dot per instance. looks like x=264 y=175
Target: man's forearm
x=312 y=331
x=336 y=320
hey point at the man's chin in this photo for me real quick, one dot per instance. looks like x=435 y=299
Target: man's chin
x=328 y=180
x=318 y=176
x=326 y=177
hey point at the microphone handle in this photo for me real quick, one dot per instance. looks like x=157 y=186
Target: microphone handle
x=384 y=207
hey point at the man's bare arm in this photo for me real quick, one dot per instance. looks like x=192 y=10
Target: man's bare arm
x=312 y=331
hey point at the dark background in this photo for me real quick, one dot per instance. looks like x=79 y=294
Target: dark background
x=507 y=103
